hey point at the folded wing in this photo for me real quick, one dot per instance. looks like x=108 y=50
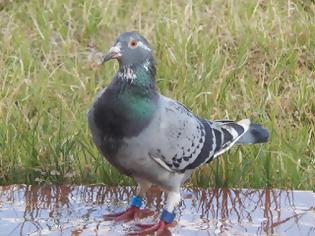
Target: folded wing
x=186 y=141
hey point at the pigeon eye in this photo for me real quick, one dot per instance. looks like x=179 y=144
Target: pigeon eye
x=133 y=43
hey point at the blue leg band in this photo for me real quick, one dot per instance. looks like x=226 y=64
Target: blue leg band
x=167 y=217
x=136 y=201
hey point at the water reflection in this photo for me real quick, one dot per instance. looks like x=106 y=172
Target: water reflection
x=80 y=210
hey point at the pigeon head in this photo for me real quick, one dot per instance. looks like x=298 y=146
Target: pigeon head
x=129 y=48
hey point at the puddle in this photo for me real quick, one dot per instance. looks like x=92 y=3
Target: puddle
x=80 y=210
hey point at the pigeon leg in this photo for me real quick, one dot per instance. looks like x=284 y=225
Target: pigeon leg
x=166 y=219
x=134 y=210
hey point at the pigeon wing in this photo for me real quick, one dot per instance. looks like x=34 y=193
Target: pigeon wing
x=187 y=141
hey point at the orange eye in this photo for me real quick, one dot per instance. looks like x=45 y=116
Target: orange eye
x=133 y=43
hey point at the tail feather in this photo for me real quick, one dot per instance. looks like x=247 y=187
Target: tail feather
x=255 y=134
x=228 y=133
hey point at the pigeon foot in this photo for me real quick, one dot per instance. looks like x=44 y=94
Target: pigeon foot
x=129 y=214
x=157 y=228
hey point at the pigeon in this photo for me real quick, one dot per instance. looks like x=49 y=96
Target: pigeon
x=153 y=138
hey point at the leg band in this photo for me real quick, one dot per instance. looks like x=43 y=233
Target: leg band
x=136 y=201
x=167 y=217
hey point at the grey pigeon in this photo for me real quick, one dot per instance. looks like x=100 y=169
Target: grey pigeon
x=153 y=138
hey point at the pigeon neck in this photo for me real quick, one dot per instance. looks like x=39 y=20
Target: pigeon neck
x=140 y=75
x=121 y=112
x=129 y=102
x=138 y=89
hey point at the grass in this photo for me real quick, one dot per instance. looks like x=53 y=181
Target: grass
x=223 y=59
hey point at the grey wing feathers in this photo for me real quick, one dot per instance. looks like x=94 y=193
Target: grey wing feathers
x=181 y=137
x=222 y=135
x=190 y=141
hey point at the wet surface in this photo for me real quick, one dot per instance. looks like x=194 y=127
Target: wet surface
x=81 y=210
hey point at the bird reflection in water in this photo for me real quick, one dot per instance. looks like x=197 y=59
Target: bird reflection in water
x=81 y=209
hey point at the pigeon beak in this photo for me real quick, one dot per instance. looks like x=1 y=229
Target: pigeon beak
x=114 y=52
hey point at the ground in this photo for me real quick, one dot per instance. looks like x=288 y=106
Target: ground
x=81 y=210
x=222 y=59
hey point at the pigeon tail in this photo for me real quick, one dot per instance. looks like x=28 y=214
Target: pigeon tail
x=255 y=134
